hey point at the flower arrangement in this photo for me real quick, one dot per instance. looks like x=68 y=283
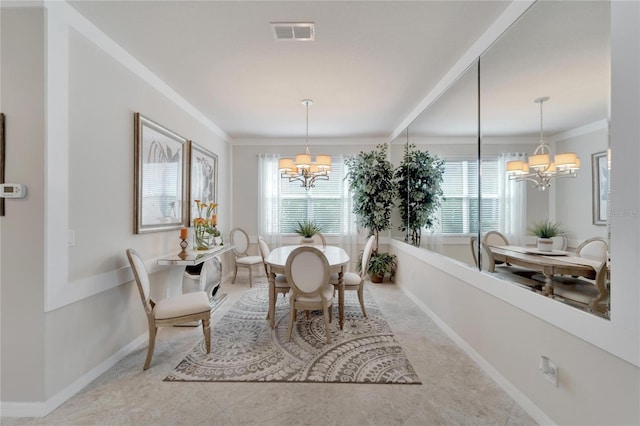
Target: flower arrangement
x=204 y=225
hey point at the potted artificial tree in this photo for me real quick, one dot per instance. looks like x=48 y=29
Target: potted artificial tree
x=371 y=182
x=419 y=180
x=545 y=230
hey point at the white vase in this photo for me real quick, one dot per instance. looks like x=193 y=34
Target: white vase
x=545 y=244
x=307 y=241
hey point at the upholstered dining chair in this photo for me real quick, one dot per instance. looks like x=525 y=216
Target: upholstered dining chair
x=176 y=310
x=590 y=293
x=282 y=286
x=317 y=238
x=240 y=241
x=355 y=281
x=473 y=242
x=307 y=272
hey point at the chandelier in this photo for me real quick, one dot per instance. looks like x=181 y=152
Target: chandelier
x=302 y=169
x=539 y=168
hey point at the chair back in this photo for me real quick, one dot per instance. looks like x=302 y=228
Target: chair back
x=366 y=255
x=495 y=238
x=307 y=271
x=473 y=242
x=559 y=242
x=487 y=261
x=264 y=252
x=142 y=279
x=593 y=248
x=240 y=240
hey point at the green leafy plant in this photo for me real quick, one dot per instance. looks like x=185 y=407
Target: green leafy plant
x=371 y=182
x=307 y=229
x=380 y=264
x=419 y=179
x=546 y=229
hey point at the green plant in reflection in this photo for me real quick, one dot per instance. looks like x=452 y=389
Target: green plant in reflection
x=419 y=180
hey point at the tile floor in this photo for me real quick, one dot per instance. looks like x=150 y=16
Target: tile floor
x=454 y=390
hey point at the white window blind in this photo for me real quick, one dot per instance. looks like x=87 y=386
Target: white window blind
x=460 y=204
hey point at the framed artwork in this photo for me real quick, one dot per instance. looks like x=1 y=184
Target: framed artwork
x=160 y=173
x=600 y=179
x=203 y=178
x=1 y=159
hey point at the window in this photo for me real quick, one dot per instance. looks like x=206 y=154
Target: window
x=285 y=203
x=502 y=201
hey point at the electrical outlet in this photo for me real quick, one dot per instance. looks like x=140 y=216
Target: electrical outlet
x=549 y=370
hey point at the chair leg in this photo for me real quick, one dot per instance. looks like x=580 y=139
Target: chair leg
x=325 y=314
x=152 y=342
x=206 y=329
x=292 y=318
x=250 y=276
x=361 y=299
x=235 y=272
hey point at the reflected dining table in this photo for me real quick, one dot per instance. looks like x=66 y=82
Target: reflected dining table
x=276 y=261
x=552 y=263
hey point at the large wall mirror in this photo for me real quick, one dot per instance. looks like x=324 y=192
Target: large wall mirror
x=547 y=81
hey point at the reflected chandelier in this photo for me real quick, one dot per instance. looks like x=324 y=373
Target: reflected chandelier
x=302 y=169
x=539 y=168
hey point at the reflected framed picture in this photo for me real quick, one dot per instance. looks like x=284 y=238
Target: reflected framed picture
x=160 y=175
x=1 y=159
x=600 y=186
x=203 y=178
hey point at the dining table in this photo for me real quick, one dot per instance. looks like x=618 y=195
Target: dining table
x=555 y=262
x=276 y=261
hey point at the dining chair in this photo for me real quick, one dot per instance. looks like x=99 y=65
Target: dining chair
x=516 y=274
x=282 y=286
x=240 y=241
x=355 y=281
x=317 y=237
x=307 y=272
x=473 y=242
x=590 y=293
x=175 y=310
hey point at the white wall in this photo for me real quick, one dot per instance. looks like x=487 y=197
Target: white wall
x=506 y=328
x=61 y=77
x=22 y=298
x=574 y=196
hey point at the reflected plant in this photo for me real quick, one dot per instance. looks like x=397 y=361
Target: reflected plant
x=419 y=181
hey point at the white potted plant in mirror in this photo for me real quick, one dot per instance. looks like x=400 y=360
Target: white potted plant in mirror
x=307 y=229
x=545 y=230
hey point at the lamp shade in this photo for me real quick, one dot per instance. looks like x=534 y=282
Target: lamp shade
x=515 y=167
x=539 y=161
x=565 y=160
x=303 y=161
x=323 y=161
x=285 y=165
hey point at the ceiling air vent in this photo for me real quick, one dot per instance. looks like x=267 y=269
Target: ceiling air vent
x=293 y=31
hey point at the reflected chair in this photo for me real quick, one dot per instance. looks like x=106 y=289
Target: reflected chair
x=307 y=272
x=496 y=238
x=240 y=241
x=587 y=293
x=515 y=274
x=353 y=281
x=176 y=310
x=473 y=242
x=282 y=286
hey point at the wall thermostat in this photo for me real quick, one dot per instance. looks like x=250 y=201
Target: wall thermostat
x=12 y=190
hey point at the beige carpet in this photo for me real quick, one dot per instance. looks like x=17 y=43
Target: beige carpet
x=245 y=349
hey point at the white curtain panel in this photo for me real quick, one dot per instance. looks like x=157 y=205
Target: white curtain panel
x=269 y=199
x=513 y=216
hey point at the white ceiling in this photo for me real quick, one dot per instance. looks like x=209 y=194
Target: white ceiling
x=371 y=64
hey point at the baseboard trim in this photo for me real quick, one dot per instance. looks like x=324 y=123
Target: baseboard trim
x=527 y=405
x=41 y=409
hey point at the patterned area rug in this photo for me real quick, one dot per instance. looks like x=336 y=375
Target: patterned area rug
x=245 y=349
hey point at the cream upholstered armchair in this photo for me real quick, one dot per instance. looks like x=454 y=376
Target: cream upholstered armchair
x=307 y=272
x=353 y=281
x=240 y=241
x=170 y=311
